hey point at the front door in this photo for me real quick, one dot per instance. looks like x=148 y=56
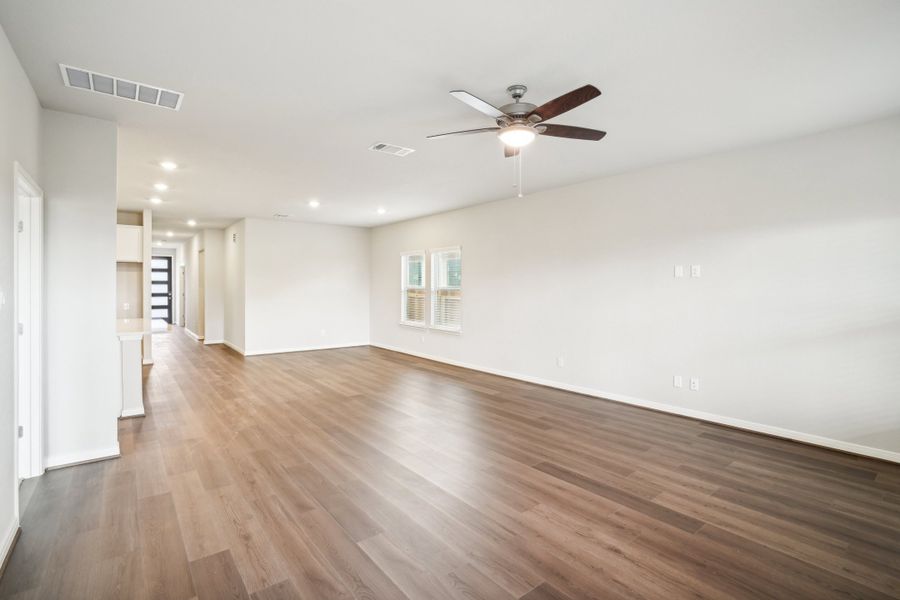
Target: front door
x=161 y=292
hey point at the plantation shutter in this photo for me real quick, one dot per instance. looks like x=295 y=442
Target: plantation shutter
x=412 y=300
x=446 y=289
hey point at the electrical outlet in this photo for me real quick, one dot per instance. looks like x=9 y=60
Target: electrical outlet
x=677 y=382
x=695 y=270
x=560 y=361
x=126 y=306
x=679 y=271
x=695 y=384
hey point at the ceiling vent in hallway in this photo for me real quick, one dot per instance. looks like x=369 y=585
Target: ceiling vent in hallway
x=390 y=149
x=121 y=88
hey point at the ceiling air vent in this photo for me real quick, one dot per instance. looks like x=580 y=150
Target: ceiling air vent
x=390 y=149
x=121 y=88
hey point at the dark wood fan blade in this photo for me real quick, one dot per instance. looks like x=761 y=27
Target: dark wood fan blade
x=566 y=102
x=510 y=152
x=464 y=132
x=575 y=133
x=478 y=104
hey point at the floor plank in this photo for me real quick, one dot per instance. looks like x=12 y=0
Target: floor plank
x=366 y=474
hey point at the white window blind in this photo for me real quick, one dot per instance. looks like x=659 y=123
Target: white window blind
x=412 y=289
x=446 y=289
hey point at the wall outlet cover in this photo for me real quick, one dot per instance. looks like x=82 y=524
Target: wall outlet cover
x=695 y=384
x=679 y=271
x=695 y=270
x=677 y=381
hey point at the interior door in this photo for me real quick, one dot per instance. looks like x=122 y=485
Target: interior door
x=161 y=289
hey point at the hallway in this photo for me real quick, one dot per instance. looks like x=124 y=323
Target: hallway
x=362 y=473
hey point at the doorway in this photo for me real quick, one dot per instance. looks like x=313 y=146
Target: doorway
x=28 y=271
x=201 y=295
x=161 y=292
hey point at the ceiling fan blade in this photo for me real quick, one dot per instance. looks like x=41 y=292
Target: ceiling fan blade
x=463 y=132
x=566 y=102
x=575 y=133
x=510 y=152
x=478 y=104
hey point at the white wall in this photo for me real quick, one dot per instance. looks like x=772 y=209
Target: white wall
x=83 y=397
x=20 y=116
x=210 y=243
x=307 y=286
x=214 y=295
x=192 y=250
x=234 y=286
x=794 y=325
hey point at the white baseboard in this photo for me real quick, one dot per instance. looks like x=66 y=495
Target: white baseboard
x=799 y=436
x=211 y=342
x=135 y=412
x=304 y=349
x=147 y=361
x=75 y=458
x=9 y=538
x=196 y=337
x=234 y=347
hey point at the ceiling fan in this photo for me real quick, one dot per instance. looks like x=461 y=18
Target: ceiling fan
x=518 y=123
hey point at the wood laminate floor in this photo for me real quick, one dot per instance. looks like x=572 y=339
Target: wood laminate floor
x=362 y=473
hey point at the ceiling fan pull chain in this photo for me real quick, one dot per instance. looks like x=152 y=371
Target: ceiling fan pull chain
x=521 y=168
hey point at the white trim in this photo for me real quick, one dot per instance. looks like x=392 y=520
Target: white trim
x=137 y=412
x=76 y=458
x=780 y=432
x=147 y=361
x=9 y=536
x=234 y=347
x=197 y=338
x=32 y=319
x=210 y=342
x=304 y=349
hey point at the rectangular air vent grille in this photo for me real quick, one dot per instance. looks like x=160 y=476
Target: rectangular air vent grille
x=390 y=149
x=114 y=86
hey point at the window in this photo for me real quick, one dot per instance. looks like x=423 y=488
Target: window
x=446 y=289
x=412 y=289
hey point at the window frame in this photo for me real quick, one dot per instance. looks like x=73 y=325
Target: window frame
x=404 y=286
x=433 y=288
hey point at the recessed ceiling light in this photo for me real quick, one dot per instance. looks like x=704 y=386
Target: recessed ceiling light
x=169 y=234
x=381 y=210
x=314 y=203
x=156 y=200
x=161 y=187
x=168 y=165
x=191 y=223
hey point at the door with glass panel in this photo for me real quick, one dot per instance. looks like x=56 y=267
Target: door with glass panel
x=161 y=289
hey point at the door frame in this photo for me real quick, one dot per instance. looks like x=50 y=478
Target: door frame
x=170 y=283
x=28 y=209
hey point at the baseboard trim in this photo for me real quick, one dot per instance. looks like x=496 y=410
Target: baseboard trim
x=779 y=432
x=8 y=545
x=304 y=349
x=130 y=414
x=234 y=347
x=147 y=361
x=197 y=338
x=78 y=458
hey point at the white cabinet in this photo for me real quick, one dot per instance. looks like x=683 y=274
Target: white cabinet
x=129 y=243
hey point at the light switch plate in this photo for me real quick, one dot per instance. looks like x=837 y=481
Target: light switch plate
x=679 y=271
x=695 y=384
x=677 y=381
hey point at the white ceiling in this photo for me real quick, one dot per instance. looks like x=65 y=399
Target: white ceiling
x=282 y=99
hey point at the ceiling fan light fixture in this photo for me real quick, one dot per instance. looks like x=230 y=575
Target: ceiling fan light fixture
x=517 y=136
